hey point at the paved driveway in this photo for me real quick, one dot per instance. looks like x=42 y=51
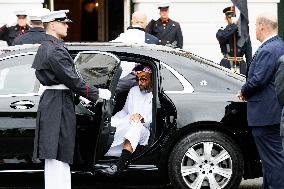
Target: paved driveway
x=35 y=181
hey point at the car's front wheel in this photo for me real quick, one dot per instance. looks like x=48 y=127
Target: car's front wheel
x=206 y=159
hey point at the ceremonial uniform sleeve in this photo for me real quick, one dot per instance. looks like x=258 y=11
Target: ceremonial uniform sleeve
x=223 y=35
x=63 y=67
x=3 y=30
x=248 y=51
x=264 y=70
x=179 y=37
x=279 y=78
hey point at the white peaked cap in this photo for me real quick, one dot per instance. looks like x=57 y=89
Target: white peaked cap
x=56 y=16
x=163 y=5
x=21 y=13
x=37 y=15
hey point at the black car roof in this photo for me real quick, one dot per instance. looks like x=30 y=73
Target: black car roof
x=155 y=51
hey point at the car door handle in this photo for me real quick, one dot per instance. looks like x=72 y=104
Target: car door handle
x=22 y=104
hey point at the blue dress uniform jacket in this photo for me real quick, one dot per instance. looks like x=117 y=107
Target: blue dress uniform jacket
x=228 y=39
x=170 y=34
x=56 y=119
x=32 y=36
x=8 y=34
x=263 y=107
x=150 y=39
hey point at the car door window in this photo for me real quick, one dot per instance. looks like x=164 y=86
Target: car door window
x=96 y=68
x=174 y=82
x=169 y=80
x=17 y=76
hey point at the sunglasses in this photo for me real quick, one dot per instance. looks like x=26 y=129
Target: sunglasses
x=141 y=79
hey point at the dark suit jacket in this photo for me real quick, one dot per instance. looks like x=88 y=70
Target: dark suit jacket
x=263 y=107
x=279 y=81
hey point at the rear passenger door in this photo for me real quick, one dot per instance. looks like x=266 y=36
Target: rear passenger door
x=103 y=71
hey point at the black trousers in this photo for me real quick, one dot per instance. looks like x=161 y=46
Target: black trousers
x=269 y=145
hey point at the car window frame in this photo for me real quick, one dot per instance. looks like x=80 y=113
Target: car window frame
x=187 y=87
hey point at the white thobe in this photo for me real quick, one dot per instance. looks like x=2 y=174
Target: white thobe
x=136 y=132
x=131 y=36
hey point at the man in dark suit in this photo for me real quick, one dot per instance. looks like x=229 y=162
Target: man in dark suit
x=279 y=84
x=136 y=32
x=36 y=34
x=263 y=109
x=166 y=30
x=9 y=33
x=228 y=39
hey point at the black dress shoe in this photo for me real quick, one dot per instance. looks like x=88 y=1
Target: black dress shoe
x=110 y=171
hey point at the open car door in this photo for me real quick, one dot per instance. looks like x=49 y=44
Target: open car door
x=101 y=70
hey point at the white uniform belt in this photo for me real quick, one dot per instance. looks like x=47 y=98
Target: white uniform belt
x=57 y=87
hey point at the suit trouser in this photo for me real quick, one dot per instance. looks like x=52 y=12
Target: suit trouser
x=57 y=174
x=269 y=145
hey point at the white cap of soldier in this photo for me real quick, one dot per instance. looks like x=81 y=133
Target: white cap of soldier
x=21 y=13
x=164 y=5
x=37 y=15
x=59 y=16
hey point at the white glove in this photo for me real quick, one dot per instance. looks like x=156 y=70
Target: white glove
x=86 y=101
x=104 y=94
x=234 y=20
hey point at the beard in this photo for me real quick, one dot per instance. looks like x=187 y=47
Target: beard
x=144 y=89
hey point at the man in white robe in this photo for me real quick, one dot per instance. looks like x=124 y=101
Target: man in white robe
x=136 y=32
x=132 y=122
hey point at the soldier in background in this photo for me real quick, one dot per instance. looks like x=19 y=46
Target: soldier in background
x=166 y=30
x=36 y=34
x=9 y=33
x=228 y=40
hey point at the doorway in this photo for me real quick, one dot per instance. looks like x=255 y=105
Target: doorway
x=93 y=20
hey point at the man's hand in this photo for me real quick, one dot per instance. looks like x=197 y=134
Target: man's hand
x=240 y=96
x=136 y=118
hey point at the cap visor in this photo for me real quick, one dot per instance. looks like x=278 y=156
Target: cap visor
x=67 y=20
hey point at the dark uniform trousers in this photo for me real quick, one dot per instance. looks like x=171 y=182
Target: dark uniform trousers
x=169 y=34
x=268 y=142
x=228 y=39
x=8 y=34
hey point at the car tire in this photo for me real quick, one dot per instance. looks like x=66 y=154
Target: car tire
x=220 y=165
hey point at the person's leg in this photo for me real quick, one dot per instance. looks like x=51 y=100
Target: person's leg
x=268 y=143
x=57 y=174
x=131 y=140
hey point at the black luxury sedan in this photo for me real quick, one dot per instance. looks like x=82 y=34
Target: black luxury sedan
x=199 y=134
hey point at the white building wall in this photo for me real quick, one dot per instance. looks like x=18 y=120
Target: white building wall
x=200 y=20
x=8 y=7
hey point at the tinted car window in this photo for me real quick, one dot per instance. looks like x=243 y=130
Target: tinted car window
x=17 y=76
x=97 y=69
x=169 y=80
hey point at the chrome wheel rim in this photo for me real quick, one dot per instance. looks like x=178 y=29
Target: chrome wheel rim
x=208 y=165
